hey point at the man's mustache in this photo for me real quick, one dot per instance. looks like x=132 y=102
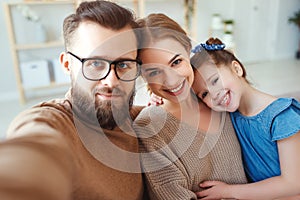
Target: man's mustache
x=108 y=90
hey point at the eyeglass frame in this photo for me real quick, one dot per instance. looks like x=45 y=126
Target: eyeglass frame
x=114 y=62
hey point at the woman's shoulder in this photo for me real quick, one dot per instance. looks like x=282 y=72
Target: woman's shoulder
x=151 y=113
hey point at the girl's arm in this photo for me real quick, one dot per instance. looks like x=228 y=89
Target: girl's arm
x=285 y=185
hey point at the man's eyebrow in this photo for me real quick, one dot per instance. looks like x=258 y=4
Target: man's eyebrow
x=173 y=58
x=110 y=58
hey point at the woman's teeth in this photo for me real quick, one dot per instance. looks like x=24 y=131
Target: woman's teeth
x=177 y=88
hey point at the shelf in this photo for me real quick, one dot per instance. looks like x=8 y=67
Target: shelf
x=41 y=2
x=50 y=44
x=50 y=86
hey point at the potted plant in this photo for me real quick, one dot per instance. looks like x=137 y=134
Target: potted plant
x=296 y=20
x=228 y=25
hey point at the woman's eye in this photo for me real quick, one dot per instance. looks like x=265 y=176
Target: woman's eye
x=204 y=94
x=176 y=62
x=153 y=73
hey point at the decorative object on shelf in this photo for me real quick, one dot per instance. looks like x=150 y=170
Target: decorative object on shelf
x=228 y=33
x=35 y=73
x=30 y=15
x=228 y=40
x=216 y=26
x=296 y=20
x=228 y=25
x=189 y=16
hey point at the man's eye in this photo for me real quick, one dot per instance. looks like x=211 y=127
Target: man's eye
x=204 y=94
x=122 y=65
x=96 y=63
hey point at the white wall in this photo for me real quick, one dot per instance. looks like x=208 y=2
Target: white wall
x=262 y=31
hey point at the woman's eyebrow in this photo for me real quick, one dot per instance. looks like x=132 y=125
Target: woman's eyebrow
x=150 y=69
x=173 y=58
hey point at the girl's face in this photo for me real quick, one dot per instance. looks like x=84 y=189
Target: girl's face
x=167 y=70
x=219 y=87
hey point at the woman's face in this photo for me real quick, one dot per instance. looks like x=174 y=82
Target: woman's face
x=167 y=70
x=218 y=87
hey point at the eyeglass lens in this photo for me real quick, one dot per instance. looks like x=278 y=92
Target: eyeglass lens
x=97 y=69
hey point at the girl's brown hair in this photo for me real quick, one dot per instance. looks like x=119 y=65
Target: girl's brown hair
x=218 y=57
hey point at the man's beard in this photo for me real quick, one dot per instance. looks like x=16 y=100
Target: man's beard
x=106 y=113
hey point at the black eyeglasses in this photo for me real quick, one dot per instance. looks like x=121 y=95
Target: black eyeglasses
x=96 y=69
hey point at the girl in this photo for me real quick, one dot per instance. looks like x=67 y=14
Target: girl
x=268 y=128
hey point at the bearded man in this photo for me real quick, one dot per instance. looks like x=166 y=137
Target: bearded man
x=82 y=146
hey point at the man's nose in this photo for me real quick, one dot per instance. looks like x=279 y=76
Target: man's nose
x=111 y=79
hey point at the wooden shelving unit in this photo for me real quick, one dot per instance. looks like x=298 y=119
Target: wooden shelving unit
x=16 y=48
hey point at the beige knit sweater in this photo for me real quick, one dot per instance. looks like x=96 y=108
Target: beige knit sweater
x=45 y=158
x=177 y=157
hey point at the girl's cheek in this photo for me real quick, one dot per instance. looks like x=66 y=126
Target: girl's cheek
x=199 y=95
x=207 y=102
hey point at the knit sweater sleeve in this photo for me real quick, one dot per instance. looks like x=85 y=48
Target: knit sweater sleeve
x=165 y=175
x=36 y=160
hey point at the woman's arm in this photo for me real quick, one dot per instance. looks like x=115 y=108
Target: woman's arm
x=167 y=177
x=285 y=185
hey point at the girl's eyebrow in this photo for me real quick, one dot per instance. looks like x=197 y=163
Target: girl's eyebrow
x=209 y=78
x=173 y=58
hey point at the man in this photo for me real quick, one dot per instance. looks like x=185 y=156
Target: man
x=83 y=146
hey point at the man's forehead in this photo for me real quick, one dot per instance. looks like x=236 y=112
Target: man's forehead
x=96 y=40
x=116 y=46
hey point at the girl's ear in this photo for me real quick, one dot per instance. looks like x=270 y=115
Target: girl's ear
x=63 y=59
x=236 y=68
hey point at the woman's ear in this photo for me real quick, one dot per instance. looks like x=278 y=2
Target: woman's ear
x=63 y=59
x=237 y=68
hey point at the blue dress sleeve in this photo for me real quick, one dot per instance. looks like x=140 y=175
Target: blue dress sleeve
x=286 y=121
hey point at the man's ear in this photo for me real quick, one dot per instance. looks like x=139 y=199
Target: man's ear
x=237 y=68
x=64 y=61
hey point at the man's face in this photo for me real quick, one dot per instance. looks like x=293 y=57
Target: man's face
x=107 y=99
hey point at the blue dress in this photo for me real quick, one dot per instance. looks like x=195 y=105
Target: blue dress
x=258 y=136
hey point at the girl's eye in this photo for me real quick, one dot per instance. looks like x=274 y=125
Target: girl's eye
x=204 y=94
x=214 y=81
x=176 y=62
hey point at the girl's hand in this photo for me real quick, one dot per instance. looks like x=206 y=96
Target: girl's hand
x=155 y=100
x=214 y=190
